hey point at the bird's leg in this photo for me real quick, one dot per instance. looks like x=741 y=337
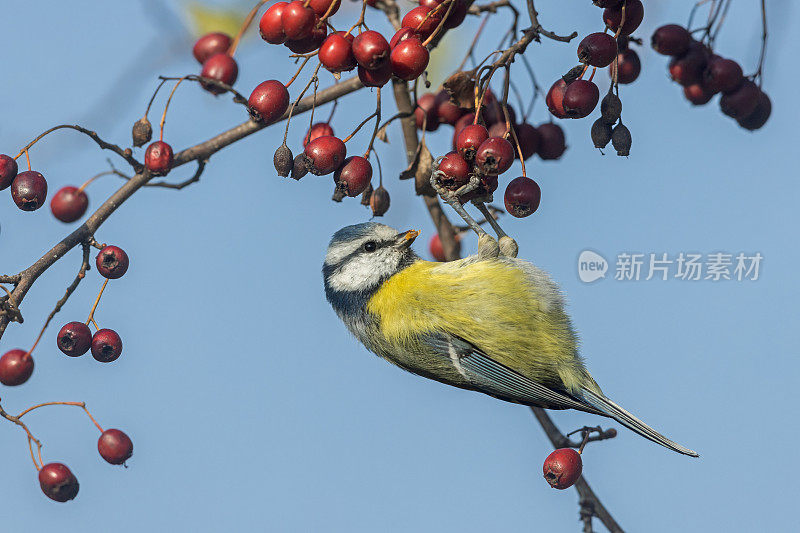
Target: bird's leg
x=508 y=246
x=487 y=245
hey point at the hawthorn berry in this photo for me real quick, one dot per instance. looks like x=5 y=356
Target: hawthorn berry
x=722 y=75
x=469 y=139
x=115 y=446
x=499 y=129
x=529 y=139
x=671 y=40
x=610 y=108
x=58 y=482
x=268 y=101
x=760 y=114
x=69 y=204
x=220 y=67
x=282 y=160
x=457 y=14
x=562 y=468
x=597 y=49
x=447 y=111
x=422 y=20
x=580 y=98
x=321 y=7
x=379 y=201
x=297 y=20
x=600 y=133
x=336 y=52
x=371 y=50
x=74 y=339
x=8 y=171
x=522 y=197
x=29 y=190
x=688 y=68
x=555 y=98
x=628 y=66
x=271 y=25
x=621 y=139
x=454 y=171
x=299 y=168
x=437 y=250
x=314 y=40
x=401 y=35
x=354 y=176
x=106 y=345
x=426 y=112
x=324 y=155
x=634 y=13
x=409 y=59
x=211 y=44
x=375 y=78
x=317 y=130
x=741 y=102
x=552 y=143
x=16 y=366
x=112 y=262
x=697 y=94
x=158 y=158
x=494 y=156
x=142 y=132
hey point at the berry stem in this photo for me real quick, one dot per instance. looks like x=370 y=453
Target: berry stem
x=438 y=29
x=377 y=124
x=246 y=24
x=360 y=21
x=82 y=405
x=303 y=64
x=471 y=48
x=20 y=423
x=166 y=107
x=96 y=303
x=152 y=98
x=90 y=180
x=313 y=79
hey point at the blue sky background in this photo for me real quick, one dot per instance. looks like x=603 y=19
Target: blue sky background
x=251 y=407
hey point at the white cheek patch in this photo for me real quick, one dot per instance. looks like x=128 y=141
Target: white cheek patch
x=364 y=271
x=337 y=252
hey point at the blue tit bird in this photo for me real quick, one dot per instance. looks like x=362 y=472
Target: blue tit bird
x=496 y=325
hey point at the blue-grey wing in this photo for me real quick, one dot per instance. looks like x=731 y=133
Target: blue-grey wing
x=496 y=379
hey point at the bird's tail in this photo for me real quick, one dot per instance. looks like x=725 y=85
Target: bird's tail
x=609 y=408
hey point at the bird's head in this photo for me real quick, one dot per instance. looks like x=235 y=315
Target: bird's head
x=362 y=256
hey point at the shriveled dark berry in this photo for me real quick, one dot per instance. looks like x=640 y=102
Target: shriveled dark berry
x=610 y=108
x=74 y=339
x=601 y=133
x=115 y=446
x=283 y=160
x=621 y=139
x=112 y=262
x=379 y=201
x=142 y=132
x=299 y=168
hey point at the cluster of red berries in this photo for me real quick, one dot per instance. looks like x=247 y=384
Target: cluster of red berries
x=212 y=51
x=59 y=483
x=703 y=74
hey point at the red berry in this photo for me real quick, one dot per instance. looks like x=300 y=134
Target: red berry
x=494 y=156
x=597 y=49
x=106 y=345
x=555 y=98
x=268 y=101
x=325 y=154
x=628 y=66
x=760 y=114
x=697 y=94
x=375 y=78
x=371 y=50
x=552 y=143
x=401 y=35
x=8 y=171
x=455 y=171
x=469 y=139
x=634 y=13
x=158 y=158
x=671 y=40
x=336 y=53
x=722 y=75
x=422 y=21
x=115 y=446
x=320 y=7
x=58 y=482
x=211 y=44
x=426 y=112
x=308 y=44
x=271 y=25
x=499 y=129
x=354 y=176
x=447 y=111
x=522 y=197
x=409 y=59
x=29 y=190
x=436 y=249
x=16 y=366
x=297 y=20
x=688 y=68
x=457 y=14
x=529 y=139
x=220 y=67
x=69 y=204
x=562 y=468
x=320 y=129
x=580 y=98
x=742 y=102
x=112 y=262
x=74 y=339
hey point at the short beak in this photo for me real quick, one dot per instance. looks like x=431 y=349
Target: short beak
x=405 y=239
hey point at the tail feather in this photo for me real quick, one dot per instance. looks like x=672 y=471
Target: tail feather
x=609 y=408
